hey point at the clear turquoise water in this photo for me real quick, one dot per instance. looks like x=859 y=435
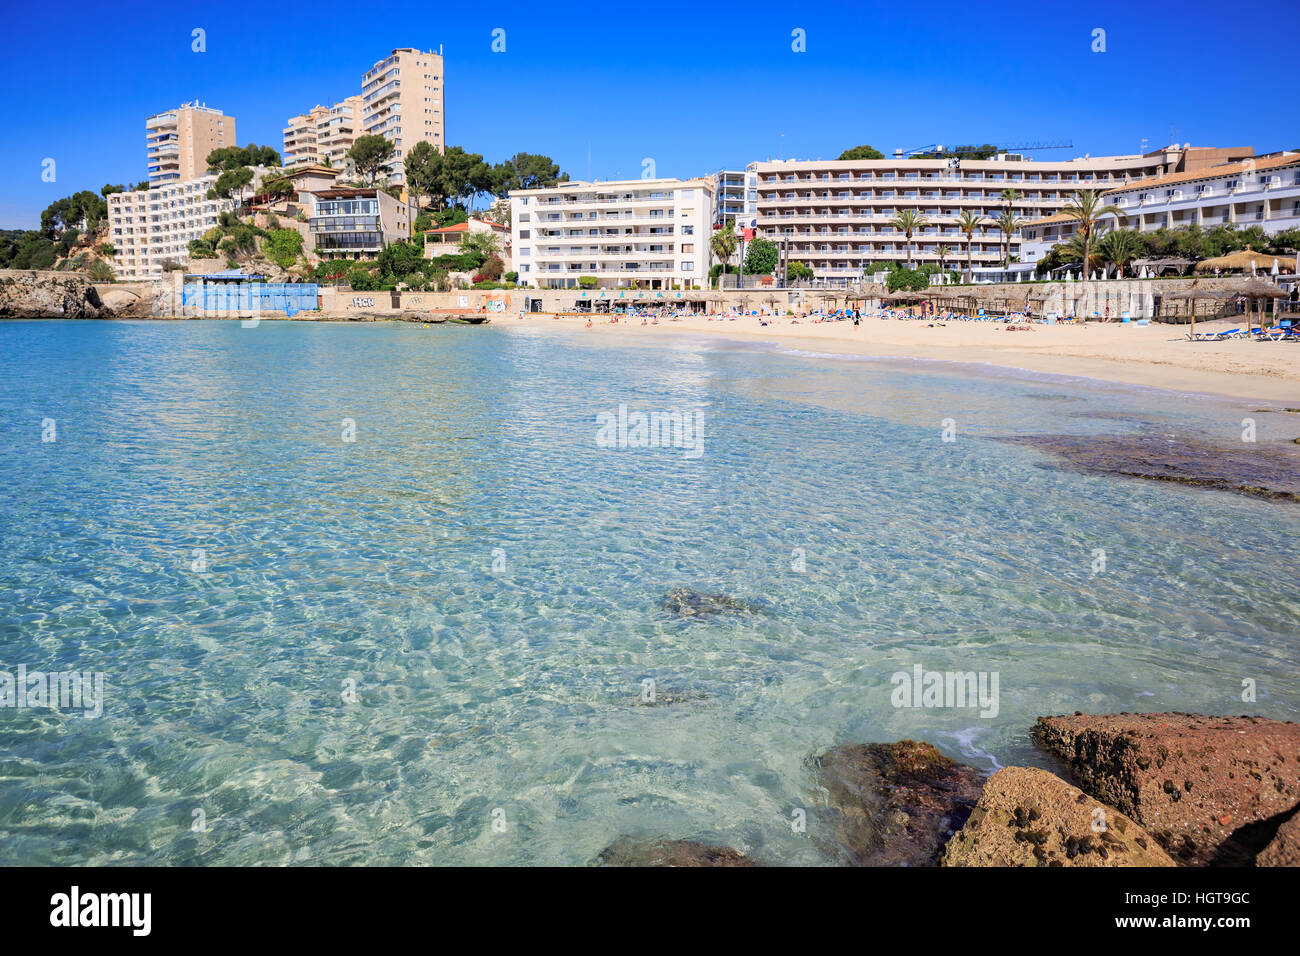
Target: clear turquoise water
x=520 y=689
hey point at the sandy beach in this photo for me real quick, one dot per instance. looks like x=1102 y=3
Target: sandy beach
x=1154 y=355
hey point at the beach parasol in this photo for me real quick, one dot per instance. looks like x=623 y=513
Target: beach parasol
x=1241 y=261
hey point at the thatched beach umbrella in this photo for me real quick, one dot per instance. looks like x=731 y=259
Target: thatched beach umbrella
x=1196 y=294
x=1257 y=290
x=1244 y=261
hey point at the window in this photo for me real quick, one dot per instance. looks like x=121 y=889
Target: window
x=688 y=265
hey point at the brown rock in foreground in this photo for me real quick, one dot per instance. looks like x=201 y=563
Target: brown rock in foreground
x=1212 y=790
x=895 y=804
x=1285 y=848
x=1029 y=817
x=627 y=851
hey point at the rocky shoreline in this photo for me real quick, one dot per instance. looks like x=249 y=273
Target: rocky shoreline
x=1142 y=790
x=34 y=294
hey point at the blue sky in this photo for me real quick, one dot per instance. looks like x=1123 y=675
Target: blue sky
x=694 y=86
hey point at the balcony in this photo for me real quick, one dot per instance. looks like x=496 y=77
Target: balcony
x=343 y=224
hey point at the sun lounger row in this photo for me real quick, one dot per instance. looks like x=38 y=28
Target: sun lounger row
x=1275 y=334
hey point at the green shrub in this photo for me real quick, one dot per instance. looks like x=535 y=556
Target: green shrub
x=283 y=246
x=100 y=271
x=456 y=263
x=361 y=280
x=912 y=280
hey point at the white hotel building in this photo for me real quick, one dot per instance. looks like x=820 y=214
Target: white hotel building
x=152 y=227
x=644 y=233
x=834 y=216
x=1262 y=192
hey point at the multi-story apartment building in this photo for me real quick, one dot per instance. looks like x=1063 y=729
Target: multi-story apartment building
x=178 y=141
x=737 y=195
x=348 y=223
x=322 y=135
x=300 y=138
x=1263 y=191
x=649 y=233
x=402 y=100
x=152 y=228
x=835 y=216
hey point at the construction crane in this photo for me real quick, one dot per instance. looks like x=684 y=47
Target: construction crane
x=960 y=151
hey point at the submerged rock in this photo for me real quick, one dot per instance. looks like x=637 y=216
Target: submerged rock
x=1285 y=848
x=1258 y=470
x=895 y=804
x=691 y=603
x=665 y=698
x=628 y=851
x=1212 y=790
x=1029 y=817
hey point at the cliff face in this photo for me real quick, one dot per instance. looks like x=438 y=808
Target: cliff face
x=32 y=294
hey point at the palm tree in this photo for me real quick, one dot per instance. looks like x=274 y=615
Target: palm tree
x=1008 y=223
x=1009 y=198
x=1120 y=247
x=968 y=222
x=943 y=252
x=1073 y=251
x=1087 y=208
x=724 y=243
x=909 y=221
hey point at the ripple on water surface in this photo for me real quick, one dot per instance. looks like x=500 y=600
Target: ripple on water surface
x=497 y=589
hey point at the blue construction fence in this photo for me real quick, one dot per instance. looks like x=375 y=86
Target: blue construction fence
x=286 y=297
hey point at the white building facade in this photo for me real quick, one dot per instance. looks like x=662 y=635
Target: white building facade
x=1262 y=192
x=835 y=216
x=643 y=233
x=736 y=197
x=151 y=228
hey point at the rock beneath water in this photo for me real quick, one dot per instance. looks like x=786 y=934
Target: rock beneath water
x=1212 y=790
x=1029 y=817
x=1261 y=471
x=690 y=603
x=35 y=294
x=665 y=698
x=627 y=851
x=895 y=804
x=1285 y=848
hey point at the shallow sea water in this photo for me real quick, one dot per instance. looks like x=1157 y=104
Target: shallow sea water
x=515 y=693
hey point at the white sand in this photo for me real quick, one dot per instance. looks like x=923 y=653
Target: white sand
x=1155 y=355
